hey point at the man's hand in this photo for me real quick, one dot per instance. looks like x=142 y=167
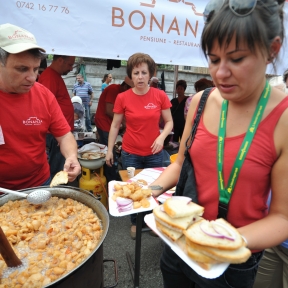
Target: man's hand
x=73 y=168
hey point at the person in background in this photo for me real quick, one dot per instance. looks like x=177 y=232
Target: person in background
x=142 y=107
x=106 y=81
x=79 y=118
x=51 y=79
x=43 y=66
x=154 y=82
x=273 y=267
x=28 y=111
x=104 y=116
x=177 y=110
x=239 y=38
x=199 y=85
x=84 y=90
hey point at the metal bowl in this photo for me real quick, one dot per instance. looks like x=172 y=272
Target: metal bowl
x=86 y=274
x=91 y=164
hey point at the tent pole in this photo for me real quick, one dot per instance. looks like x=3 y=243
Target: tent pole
x=175 y=80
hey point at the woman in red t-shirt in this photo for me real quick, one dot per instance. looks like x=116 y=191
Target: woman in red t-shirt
x=142 y=106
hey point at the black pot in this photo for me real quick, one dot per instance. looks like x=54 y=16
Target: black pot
x=90 y=272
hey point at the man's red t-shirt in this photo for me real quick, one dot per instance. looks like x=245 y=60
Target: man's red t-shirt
x=102 y=120
x=54 y=82
x=24 y=122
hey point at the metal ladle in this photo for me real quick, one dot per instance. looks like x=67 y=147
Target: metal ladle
x=36 y=197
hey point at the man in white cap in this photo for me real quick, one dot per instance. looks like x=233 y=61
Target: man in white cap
x=28 y=112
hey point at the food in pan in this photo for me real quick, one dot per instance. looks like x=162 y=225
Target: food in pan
x=92 y=155
x=50 y=239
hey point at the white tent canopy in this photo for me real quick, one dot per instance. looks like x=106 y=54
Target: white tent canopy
x=168 y=30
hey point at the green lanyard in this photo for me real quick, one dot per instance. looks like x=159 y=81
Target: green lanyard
x=225 y=193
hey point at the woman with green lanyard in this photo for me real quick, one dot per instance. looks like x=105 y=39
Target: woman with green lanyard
x=240 y=150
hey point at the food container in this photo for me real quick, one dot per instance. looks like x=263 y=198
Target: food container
x=91 y=164
x=90 y=272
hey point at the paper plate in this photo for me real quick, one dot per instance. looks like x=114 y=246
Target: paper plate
x=214 y=272
x=113 y=205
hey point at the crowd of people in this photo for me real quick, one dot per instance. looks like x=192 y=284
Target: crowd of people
x=239 y=153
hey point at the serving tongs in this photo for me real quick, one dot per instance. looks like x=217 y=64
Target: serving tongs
x=36 y=197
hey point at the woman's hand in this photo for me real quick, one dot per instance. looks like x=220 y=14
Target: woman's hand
x=109 y=159
x=157 y=145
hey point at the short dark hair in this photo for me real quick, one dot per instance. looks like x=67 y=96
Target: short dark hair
x=35 y=52
x=257 y=29
x=182 y=83
x=137 y=59
x=202 y=84
x=55 y=57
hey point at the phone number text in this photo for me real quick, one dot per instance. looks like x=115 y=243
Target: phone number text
x=42 y=7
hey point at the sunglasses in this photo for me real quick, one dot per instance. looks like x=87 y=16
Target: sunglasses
x=240 y=8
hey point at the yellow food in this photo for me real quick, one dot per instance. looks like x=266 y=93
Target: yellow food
x=133 y=191
x=50 y=239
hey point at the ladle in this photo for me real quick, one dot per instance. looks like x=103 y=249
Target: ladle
x=36 y=197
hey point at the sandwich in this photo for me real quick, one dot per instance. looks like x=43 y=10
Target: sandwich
x=184 y=215
x=216 y=234
x=204 y=261
x=177 y=207
x=60 y=178
x=218 y=241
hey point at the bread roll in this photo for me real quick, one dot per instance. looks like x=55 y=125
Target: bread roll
x=196 y=234
x=60 y=178
x=178 y=224
x=176 y=208
x=237 y=256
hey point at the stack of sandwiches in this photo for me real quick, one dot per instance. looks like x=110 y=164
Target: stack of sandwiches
x=211 y=242
x=176 y=215
x=206 y=242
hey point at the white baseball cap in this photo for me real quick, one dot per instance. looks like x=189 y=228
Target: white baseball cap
x=76 y=99
x=14 y=39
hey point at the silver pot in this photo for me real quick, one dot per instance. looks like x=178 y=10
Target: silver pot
x=91 y=164
x=84 y=275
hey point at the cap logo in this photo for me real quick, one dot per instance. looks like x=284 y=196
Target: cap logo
x=18 y=34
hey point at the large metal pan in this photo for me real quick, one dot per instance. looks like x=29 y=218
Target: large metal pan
x=90 y=272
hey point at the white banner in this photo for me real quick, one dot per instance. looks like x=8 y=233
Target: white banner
x=168 y=30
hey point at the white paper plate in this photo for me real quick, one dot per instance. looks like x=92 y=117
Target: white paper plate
x=113 y=205
x=214 y=272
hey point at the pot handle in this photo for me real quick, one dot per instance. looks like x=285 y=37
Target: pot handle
x=115 y=271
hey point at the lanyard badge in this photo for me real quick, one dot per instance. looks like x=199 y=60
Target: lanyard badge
x=226 y=192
